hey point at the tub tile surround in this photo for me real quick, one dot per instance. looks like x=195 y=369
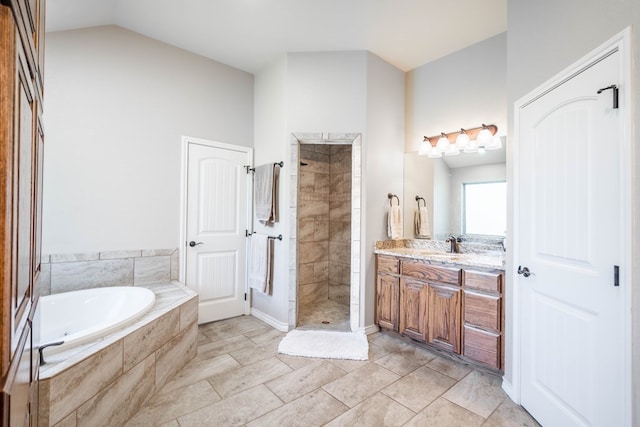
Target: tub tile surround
x=72 y=272
x=105 y=382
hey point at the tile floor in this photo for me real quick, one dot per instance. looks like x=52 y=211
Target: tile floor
x=312 y=316
x=238 y=378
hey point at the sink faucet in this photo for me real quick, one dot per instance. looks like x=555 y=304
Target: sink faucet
x=454 y=247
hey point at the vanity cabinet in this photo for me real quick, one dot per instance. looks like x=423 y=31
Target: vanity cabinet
x=21 y=166
x=430 y=304
x=387 y=292
x=458 y=309
x=414 y=297
x=483 y=317
x=444 y=317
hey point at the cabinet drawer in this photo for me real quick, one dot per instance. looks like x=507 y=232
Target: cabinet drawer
x=482 y=310
x=387 y=264
x=482 y=280
x=482 y=346
x=431 y=273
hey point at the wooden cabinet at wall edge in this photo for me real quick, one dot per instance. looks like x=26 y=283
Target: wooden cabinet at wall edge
x=21 y=158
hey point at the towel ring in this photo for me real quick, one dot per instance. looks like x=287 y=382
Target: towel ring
x=418 y=198
x=391 y=196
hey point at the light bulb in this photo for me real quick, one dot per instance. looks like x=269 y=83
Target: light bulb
x=443 y=143
x=453 y=150
x=485 y=137
x=424 y=149
x=462 y=141
x=472 y=147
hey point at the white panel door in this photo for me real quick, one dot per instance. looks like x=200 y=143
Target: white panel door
x=570 y=238
x=216 y=222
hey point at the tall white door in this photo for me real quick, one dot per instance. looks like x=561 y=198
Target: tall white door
x=570 y=226
x=217 y=215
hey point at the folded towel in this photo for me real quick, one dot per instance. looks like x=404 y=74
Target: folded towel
x=394 y=222
x=265 y=192
x=421 y=222
x=260 y=260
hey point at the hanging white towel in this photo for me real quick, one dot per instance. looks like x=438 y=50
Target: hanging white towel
x=394 y=222
x=421 y=222
x=265 y=193
x=260 y=260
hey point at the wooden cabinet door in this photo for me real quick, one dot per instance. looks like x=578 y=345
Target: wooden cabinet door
x=387 y=296
x=413 y=308
x=444 y=321
x=23 y=190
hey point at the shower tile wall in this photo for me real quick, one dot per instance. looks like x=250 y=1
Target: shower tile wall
x=313 y=223
x=340 y=224
x=324 y=230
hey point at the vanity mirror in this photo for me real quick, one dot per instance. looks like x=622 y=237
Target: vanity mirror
x=444 y=182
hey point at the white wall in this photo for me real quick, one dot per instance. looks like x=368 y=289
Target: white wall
x=327 y=92
x=117 y=104
x=418 y=181
x=330 y=92
x=463 y=89
x=382 y=161
x=441 y=200
x=545 y=37
x=270 y=145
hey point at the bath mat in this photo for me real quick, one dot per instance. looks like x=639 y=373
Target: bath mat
x=325 y=344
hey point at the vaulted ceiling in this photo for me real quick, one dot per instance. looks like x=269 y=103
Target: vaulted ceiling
x=249 y=34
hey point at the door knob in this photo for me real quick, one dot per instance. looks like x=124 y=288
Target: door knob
x=524 y=271
x=192 y=243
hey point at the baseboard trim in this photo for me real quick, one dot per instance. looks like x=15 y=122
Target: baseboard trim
x=508 y=388
x=281 y=326
x=367 y=330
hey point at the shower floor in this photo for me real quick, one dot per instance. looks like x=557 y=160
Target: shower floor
x=314 y=316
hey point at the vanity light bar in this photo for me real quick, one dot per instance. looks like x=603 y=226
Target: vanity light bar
x=451 y=136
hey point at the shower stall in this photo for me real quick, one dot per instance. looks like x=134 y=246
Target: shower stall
x=324 y=235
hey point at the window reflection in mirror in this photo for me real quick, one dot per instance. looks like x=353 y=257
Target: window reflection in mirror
x=440 y=182
x=484 y=208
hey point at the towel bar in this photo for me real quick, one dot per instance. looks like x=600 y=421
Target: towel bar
x=418 y=198
x=391 y=196
x=278 y=237
x=250 y=169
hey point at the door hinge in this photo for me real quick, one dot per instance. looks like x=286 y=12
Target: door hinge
x=245 y=296
x=616 y=275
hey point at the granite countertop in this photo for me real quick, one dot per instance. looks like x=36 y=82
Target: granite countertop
x=435 y=254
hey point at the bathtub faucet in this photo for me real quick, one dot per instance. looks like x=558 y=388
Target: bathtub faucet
x=42 y=347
